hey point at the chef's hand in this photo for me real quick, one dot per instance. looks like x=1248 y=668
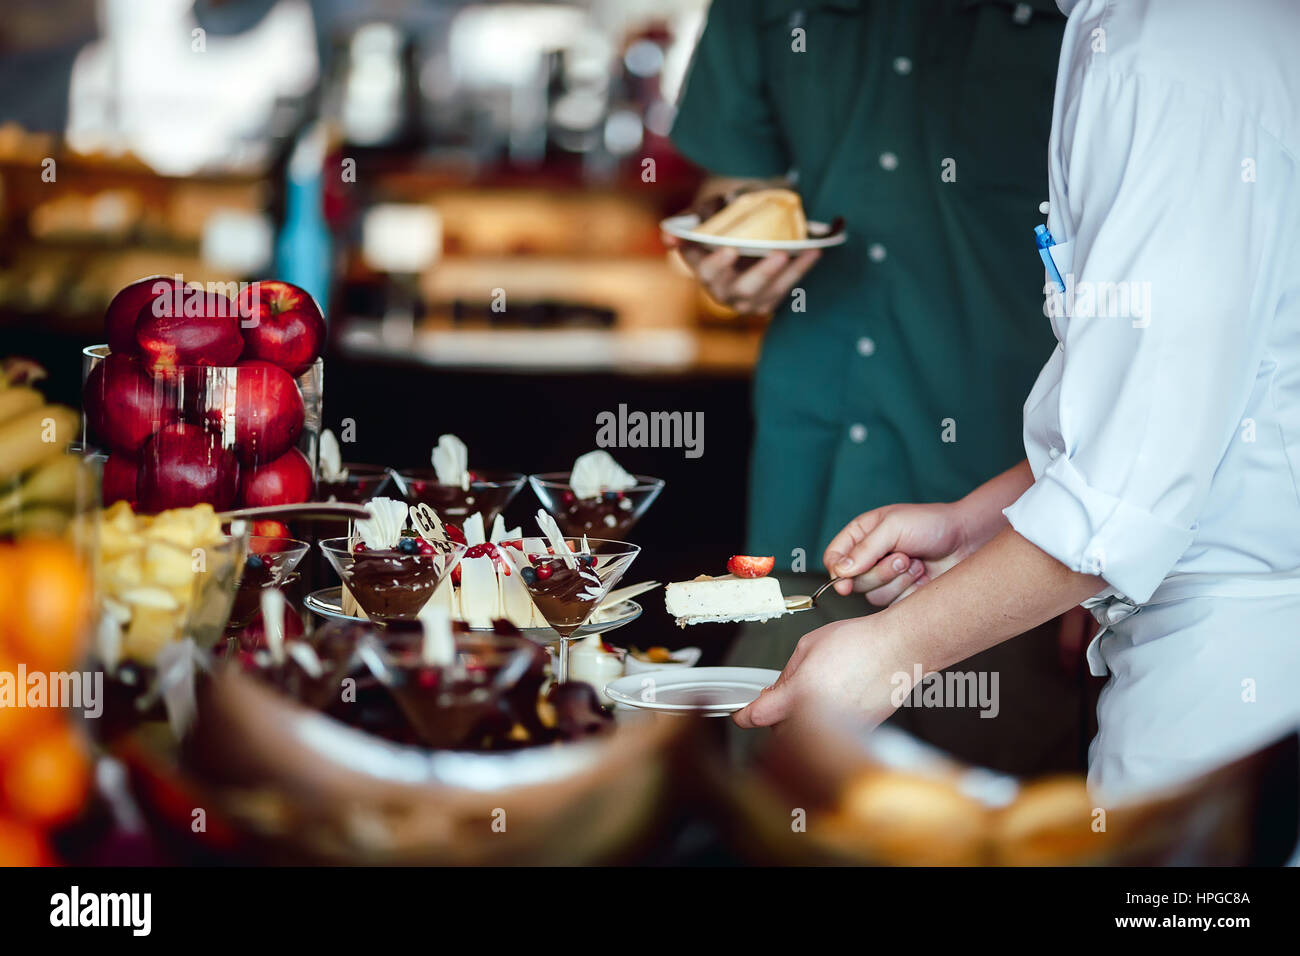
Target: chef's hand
x=890 y=551
x=844 y=666
x=750 y=286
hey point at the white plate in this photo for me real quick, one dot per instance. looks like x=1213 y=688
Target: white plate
x=707 y=691
x=328 y=602
x=683 y=227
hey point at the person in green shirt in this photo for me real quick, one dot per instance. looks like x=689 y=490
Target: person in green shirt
x=924 y=124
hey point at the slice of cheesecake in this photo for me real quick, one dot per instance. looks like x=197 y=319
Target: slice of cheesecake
x=707 y=600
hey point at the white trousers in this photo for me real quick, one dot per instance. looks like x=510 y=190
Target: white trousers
x=1208 y=671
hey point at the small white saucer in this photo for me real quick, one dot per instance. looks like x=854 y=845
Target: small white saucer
x=819 y=237
x=705 y=691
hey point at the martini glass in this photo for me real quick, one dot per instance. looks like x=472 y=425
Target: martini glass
x=449 y=704
x=611 y=514
x=395 y=583
x=268 y=563
x=568 y=591
x=362 y=483
x=489 y=492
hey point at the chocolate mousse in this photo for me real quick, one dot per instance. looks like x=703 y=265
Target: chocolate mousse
x=488 y=492
x=393 y=584
x=466 y=703
x=565 y=596
x=257 y=574
x=611 y=515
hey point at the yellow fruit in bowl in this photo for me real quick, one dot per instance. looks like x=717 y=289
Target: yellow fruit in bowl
x=168 y=565
x=166 y=577
x=151 y=629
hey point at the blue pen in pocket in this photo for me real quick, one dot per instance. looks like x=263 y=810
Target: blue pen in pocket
x=1044 y=241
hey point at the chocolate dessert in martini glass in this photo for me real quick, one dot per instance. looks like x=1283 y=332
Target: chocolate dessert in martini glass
x=391 y=573
x=454 y=491
x=596 y=497
x=452 y=685
x=567 y=578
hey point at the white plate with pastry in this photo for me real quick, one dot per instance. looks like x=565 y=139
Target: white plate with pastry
x=756 y=223
x=704 y=691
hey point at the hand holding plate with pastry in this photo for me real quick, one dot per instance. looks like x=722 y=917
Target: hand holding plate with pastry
x=723 y=234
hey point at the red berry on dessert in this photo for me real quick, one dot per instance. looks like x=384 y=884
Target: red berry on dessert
x=285 y=481
x=124 y=405
x=124 y=310
x=183 y=466
x=746 y=566
x=282 y=324
x=206 y=333
x=454 y=532
x=268 y=412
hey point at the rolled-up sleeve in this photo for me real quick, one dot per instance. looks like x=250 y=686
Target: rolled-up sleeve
x=724 y=120
x=1165 y=327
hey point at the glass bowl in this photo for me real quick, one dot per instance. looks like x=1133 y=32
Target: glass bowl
x=391 y=585
x=611 y=515
x=450 y=706
x=489 y=492
x=268 y=563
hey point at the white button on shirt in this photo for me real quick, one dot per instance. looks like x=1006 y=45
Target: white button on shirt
x=902 y=65
x=876 y=252
x=858 y=433
x=866 y=347
x=888 y=162
x=1175 y=198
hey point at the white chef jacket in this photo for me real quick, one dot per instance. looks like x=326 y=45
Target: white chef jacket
x=1164 y=431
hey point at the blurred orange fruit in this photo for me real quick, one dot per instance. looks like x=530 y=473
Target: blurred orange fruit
x=18 y=724
x=45 y=782
x=8 y=568
x=23 y=845
x=49 y=608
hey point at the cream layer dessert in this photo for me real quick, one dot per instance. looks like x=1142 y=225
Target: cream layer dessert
x=745 y=594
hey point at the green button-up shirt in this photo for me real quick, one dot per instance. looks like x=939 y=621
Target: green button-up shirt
x=924 y=124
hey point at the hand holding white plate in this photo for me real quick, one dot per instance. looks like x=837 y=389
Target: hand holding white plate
x=820 y=236
x=702 y=691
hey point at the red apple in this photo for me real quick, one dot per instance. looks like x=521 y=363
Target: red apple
x=267 y=409
x=285 y=481
x=271 y=529
x=206 y=332
x=281 y=324
x=122 y=312
x=183 y=465
x=119 y=478
x=124 y=405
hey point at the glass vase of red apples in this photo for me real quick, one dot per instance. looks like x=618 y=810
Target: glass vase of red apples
x=207 y=394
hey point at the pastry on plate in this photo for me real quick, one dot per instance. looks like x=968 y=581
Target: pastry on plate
x=769 y=214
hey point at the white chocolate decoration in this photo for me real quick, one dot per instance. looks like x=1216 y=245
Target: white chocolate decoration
x=597 y=472
x=272 y=603
x=451 y=461
x=438 y=646
x=331 y=458
x=383 y=529
x=427 y=523
x=552 y=532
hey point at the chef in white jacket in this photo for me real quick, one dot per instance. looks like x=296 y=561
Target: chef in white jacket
x=1162 y=484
